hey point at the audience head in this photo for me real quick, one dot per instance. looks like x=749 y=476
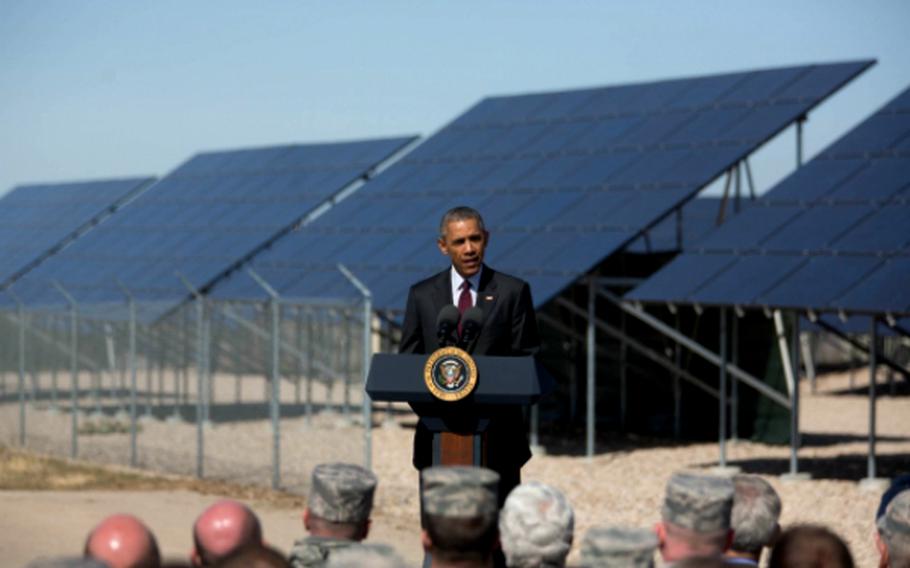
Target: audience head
x=810 y=546
x=618 y=546
x=899 y=484
x=360 y=555
x=695 y=519
x=536 y=526
x=123 y=541
x=460 y=475
x=223 y=529
x=340 y=501
x=460 y=520
x=894 y=532
x=756 y=510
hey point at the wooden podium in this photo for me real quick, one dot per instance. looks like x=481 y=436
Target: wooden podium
x=459 y=428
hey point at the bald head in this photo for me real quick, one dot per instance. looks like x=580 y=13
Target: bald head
x=122 y=541
x=222 y=529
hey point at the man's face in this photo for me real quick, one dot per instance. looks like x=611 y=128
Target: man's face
x=464 y=242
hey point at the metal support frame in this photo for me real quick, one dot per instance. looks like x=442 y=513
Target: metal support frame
x=697 y=348
x=880 y=358
x=734 y=382
x=200 y=376
x=74 y=369
x=799 y=141
x=275 y=402
x=367 y=354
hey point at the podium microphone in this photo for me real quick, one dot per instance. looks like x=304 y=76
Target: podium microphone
x=446 y=323
x=470 y=326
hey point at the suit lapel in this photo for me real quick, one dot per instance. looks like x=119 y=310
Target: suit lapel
x=442 y=291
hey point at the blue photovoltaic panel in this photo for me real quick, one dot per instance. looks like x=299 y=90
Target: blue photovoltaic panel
x=202 y=219
x=37 y=219
x=563 y=180
x=833 y=236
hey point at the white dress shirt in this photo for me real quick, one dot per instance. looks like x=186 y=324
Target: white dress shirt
x=457 y=279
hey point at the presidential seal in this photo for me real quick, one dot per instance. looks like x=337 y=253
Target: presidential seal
x=450 y=374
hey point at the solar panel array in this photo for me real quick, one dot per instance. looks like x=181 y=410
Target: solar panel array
x=202 y=218
x=563 y=179
x=833 y=236
x=37 y=219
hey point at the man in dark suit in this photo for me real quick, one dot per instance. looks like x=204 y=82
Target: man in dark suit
x=509 y=329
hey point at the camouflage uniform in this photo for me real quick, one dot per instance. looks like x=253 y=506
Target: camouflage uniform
x=699 y=502
x=894 y=528
x=360 y=555
x=339 y=493
x=618 y=546
x=314 y=551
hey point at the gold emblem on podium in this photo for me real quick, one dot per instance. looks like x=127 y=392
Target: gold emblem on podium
x=450 y=374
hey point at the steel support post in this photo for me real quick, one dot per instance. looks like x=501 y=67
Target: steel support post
x=367 y=354
x=808 y=358
x=677 y=387
x=200 y=386
x=591 y=355
x=535 y=427
x=734 y=382
x=54 y=379
x=298 y=337
x=722 y=399
x=873 y=363
x=207 y=367
x=794 y=408
x=347 y=362
x=311 y=365
x=623 y=386
x=22 y=425
x=799 y=141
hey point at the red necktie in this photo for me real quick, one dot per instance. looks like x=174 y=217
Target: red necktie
x=464 y=300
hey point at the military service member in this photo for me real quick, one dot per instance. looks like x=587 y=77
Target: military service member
x=536 y=527
x=695 y=518
x=460 y=520
x=223 y=529
x=756 y=510
x=123 y=541
x=337 y=514
x=894 y=533
x=620 y=547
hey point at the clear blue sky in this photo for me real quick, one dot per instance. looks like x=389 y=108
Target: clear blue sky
x=95 y=89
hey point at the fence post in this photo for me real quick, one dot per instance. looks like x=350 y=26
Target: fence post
x=74 y=369
x=20 y=312
x=367 y=354
x=131 y=362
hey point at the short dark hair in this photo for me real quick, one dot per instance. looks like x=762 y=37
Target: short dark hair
x=810 y=545
x=460 y=213
x=462 y=539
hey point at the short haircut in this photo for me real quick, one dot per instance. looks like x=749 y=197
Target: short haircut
x=346 y=531
x=810 y=545
x=255 y=557
x=756 y=510
x=536 y=527
x=460 y=213
x=462 y=539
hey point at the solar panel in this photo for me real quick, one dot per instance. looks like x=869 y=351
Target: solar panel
x=201 y=219
x=563 y=179
x=832 y=236
x=37 y=219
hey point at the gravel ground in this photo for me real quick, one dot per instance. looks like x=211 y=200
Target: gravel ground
x=622 y=484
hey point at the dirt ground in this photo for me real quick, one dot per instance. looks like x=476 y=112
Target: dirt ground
x=622 y=484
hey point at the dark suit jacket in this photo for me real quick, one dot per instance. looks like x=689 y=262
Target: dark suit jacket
x=509 y=329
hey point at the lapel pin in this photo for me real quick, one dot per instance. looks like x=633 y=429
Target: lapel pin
x=488 y=298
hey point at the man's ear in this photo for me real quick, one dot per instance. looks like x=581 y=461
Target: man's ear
x=366 y=528
x=306 y=518
x=441 y=243
x=425 y=540
x=195 y=559
x=661 y=533
x=728 y=543
x=882 y=548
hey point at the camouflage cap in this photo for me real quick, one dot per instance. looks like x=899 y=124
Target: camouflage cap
x=460 y=501
x=618 y=546
x=895 y=523
x=366 y=554
x=461 y=474
x=341 y=492
x=698 y=501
